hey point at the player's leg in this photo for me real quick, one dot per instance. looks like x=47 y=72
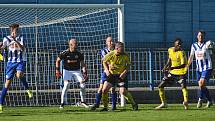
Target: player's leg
x=113 y=97
x=122 y=97
x=200 y=91
x=67 y=76
x=182 y=82
x=64 y=90
x=99 y=92
x=128 y=97
x=106 y=87
x=162 y=92
x=20 y=75
x=79 y=78
x=205 y=76
x=10 y=71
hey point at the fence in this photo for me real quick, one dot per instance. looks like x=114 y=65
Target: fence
x=145 y=72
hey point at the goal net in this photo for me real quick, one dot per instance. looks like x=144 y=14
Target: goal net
x=46 y=30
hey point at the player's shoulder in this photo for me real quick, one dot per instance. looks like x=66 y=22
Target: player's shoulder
x=170 y=49
x=64 y=52
x=126 y=54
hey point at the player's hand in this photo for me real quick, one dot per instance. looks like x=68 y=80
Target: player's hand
x=122 y=76
x=58 y=74
x=85 y=75
x=107 y=72
x=121 y=79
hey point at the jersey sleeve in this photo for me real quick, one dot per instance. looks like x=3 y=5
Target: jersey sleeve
x=107 y=57
x=5 y=42
x=62 y=55
x=128 y=59
x=169 y=52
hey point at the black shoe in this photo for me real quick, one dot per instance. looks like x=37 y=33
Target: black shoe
x=104 y=109
x=135 y=107
x=94 y=107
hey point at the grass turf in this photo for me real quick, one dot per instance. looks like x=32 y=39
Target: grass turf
x=146 y=112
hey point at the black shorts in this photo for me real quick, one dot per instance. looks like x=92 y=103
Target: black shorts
x=171 y=78
x=116 y=81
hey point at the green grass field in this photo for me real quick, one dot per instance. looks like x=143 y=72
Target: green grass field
x=146 y=113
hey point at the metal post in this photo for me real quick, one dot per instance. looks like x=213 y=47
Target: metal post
x=151 y=69
x=36 y=59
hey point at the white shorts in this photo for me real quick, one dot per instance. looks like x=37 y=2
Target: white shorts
x=73 y=75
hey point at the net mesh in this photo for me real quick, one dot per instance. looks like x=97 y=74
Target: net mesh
x=46 y=32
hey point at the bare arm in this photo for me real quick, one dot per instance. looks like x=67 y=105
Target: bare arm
x=57 y=64
x=84 y=66
x=124 y=73
x=190 y=60
x=168 y=65
x=105 y=65
x=20 y=46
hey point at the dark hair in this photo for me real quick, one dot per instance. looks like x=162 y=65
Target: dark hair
x=119 y=44
x=14 y=26
x=203 y=32
x=179 y=40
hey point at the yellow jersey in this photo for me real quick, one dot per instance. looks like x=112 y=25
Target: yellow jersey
x=117 y=63
x=177 y=58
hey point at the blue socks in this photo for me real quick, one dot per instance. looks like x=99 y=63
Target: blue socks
x=3 y=94
x=24 y=82
x=114 y=98
x=98 y=98
x=207 y=95
x=204 y=93
x=201 y=93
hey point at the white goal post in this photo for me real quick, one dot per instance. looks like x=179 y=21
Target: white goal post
x=46 y=28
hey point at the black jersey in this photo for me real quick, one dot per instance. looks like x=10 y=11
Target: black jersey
x=71 y=60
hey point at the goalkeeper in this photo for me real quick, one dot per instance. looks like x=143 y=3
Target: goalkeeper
x=175 y=69
x=73 y=59
x=116 y=65
x=14 y=44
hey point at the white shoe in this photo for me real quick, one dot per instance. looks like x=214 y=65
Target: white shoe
x=209 y=104
x=83 y=104
x=199 y=104
x=61 y=106
x=185 y=105
x=162 y=105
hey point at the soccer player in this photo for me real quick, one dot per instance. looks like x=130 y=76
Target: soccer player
x=73 y=59
x=116 y=65
x=16 y=61
x=203 y=67
x=175 y=70
x=109 y=47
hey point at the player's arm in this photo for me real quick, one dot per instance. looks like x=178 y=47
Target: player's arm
x=84 y=68
x=106 y=61
x=124 y=73
x=190 y=59
x=167 y=66
x=20 y=44
x=57 y=65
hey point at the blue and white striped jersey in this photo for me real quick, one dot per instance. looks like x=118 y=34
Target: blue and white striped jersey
x=103 y=52
x=202 y=55
x=15 y=53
